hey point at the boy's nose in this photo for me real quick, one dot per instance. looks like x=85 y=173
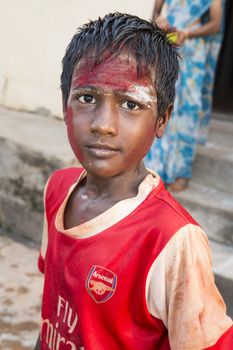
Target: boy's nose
x=105 y=119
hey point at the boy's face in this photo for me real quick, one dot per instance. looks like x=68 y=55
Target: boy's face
x=111 y=116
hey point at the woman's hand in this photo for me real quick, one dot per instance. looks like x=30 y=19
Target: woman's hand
x=181 y=37
x=162 y=22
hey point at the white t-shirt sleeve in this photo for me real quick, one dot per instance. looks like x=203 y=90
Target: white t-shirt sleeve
x=181 y=291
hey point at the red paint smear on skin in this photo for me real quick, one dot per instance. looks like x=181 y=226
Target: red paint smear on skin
x=113 y=73
x=144 y=147
x=70 y=133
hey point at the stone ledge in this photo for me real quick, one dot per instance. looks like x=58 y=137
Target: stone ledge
x=31 y=148
x=36 y=132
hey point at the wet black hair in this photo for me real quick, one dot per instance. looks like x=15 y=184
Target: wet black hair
x=142 y=39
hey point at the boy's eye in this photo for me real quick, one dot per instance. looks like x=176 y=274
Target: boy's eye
x=130 y=105
x=87 y=99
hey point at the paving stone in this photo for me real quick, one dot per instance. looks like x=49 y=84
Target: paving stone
x=20 y=295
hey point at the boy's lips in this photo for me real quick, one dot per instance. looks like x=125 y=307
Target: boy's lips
x=102 y=149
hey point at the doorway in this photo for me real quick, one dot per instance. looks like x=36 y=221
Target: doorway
x=223 y=89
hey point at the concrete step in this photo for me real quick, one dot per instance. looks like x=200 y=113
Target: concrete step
x=213 y=165
x=212 y=208
x=31 y=148
x=221 y=132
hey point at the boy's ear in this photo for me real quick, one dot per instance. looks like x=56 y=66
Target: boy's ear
x=162 y=122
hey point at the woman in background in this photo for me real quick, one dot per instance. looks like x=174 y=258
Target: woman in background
x=198 y=24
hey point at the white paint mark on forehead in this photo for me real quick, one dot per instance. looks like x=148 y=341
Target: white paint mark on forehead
x=142 y=94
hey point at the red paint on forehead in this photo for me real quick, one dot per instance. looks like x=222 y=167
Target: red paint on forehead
x=116 y=73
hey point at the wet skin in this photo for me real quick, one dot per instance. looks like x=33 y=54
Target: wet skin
x=112 y=120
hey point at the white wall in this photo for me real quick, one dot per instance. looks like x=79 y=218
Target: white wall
x=34 y=35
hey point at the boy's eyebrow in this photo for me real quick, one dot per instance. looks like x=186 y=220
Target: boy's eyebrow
x=88 y=88
x=99 y=89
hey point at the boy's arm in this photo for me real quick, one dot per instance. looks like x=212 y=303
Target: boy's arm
x=37 y=347
x=44 y=241
x=182 y=293
x=43 y=249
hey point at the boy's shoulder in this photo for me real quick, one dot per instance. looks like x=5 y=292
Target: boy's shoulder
x=171 y=208
x=65 y=174
x=61 y=180
x=167 y=216
x=165 y=222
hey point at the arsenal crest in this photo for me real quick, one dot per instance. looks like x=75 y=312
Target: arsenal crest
x=101 y=284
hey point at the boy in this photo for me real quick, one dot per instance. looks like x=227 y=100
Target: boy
x=126 y=267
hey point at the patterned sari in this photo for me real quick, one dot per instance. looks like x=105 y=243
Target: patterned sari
x=173 y=154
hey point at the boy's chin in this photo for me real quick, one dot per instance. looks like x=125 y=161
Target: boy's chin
x=103 y=170
x=108 y=168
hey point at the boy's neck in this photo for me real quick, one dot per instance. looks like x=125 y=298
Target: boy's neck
x=116 y=188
